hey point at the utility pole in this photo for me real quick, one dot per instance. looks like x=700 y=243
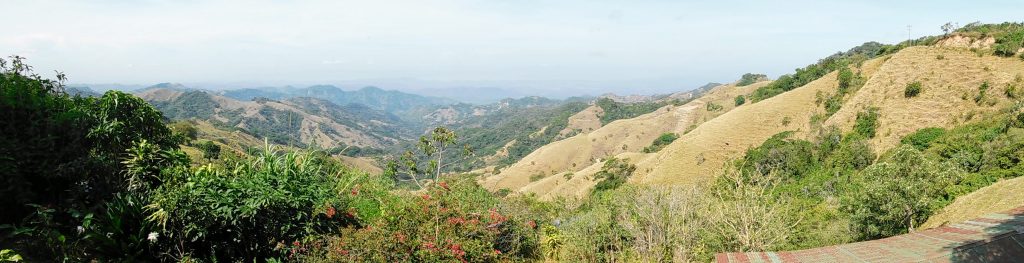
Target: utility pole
x=909 y=36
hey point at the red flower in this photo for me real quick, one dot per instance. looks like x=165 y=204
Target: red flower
x=355 y=190
x=497 y=252
x=456 y=220
x=429 y=245
x=496 y=217
x=330 y=211
x=531 y=224
x=425 y=197
x=296 y=243
x=444 y=185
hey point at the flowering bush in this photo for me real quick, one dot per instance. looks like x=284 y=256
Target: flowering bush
x=453 y=220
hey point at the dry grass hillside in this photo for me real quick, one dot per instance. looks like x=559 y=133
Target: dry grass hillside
x=950 y=78
x=703 y=152
x=584 y=121
x=1001 y=196
x=580 y=153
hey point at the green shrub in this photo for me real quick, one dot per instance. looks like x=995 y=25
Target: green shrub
x=244 y=212
x=779 y=154
x=210 y=150
x=833 y=104
x=663 y=140
x=740 y=100
x=711 y=106
x=912 y=89
x=867 y=123
x=981 y=92
x=614 y=173
x=845 y=78
x=922 y=139
x=536 y=177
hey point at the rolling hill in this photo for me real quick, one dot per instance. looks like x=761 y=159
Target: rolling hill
x=951 y=83
x=958 y=84
x=295 y=121
x=581 y=155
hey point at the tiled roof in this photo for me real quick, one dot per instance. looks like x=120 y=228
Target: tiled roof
x=992 y=238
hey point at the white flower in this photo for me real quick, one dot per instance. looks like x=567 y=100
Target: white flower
x=152 y=236
x=80 y=230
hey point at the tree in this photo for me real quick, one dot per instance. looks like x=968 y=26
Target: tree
x=60 y=149
x=211 y=151
x=432 y=148
x=949 y=27
x=899 y=192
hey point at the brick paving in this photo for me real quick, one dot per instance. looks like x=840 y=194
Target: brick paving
x=995 y=237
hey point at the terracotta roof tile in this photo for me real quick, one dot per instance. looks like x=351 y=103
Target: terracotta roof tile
x=992 y=238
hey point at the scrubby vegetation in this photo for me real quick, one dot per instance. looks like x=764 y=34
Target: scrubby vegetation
x=711 y=106
x=530 y=129
x=912 y=89
x=613 y=174
x=1009 y=37
x=663 y=140
x=750 y=78
x=838 y=61
x=617 y=110
x=866 y=123
x=740 y=100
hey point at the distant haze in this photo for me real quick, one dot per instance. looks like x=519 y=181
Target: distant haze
x=462 y=48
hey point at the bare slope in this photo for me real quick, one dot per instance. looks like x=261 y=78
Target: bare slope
x=580 y=152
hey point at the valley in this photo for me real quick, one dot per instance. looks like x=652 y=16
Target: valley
x=879 y=150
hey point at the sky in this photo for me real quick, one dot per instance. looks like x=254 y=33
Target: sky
x=526 y=47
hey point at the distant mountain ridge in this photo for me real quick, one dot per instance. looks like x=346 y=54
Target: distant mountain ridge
x=387 y=100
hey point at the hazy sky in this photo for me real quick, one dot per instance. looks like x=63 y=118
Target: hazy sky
x=620 y=46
